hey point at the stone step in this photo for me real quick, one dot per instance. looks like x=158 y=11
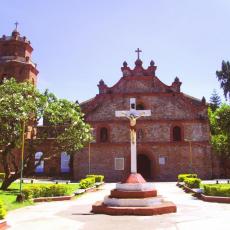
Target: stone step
x=115 y=193
x=133 y=202
x=135 y=186
x=165 y=207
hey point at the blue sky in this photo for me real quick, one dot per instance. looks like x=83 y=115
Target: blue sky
x=77 y=43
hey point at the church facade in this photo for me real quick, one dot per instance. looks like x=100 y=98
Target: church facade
x=174 y=139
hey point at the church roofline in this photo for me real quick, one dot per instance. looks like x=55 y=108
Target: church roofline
x=191 y=97
x=87 y=101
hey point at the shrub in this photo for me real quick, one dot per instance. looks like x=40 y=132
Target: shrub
x=2 y=176
x=98 y=178
x=87 y=182
x=2 y=210
x=192 y=182
x=59 y=190
x=181 y=177
x=217 y=190
x=36 y=191
x=28 y=193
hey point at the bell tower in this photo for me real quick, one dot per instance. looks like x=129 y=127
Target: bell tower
x=15 y=58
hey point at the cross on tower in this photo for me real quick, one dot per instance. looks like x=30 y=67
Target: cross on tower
x=133 y=115
x=138 y=51
x=16 y=25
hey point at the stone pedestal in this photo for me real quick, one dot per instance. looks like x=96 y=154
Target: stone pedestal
x=134 y=196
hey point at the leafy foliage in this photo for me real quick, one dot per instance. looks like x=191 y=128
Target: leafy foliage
x=23 y=102
x=18 y=102
x=2 y=210
x=76 y=133
x=224 y=78
x=217 y=190
x=220 y=130
x=36 y=191
x=98 y=178
x=192 y=182
x=182 y=177
x=87 y=182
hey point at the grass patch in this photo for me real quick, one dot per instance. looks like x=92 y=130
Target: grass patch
x=9 y=197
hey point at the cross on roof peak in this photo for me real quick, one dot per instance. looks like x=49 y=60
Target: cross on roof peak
x=16 y=26
x=138 y=51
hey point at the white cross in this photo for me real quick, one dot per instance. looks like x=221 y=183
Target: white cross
x=133 y=115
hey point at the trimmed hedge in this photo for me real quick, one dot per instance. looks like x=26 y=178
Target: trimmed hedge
x=98 y=178
x=2 y=210
x=192 y=182
x=2 y=176
x=36 y=191
x=217 y=190
x=181 y=177
x=87 y=182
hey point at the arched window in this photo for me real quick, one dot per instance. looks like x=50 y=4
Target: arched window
x=103 y=134
x=140 y=106
x=40 y=167
x=65 y=158
x=177 y=133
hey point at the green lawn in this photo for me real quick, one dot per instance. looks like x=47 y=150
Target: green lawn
x=9 y=197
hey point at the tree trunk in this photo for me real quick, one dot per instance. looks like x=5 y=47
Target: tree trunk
x=8 y=181
x=9 y=178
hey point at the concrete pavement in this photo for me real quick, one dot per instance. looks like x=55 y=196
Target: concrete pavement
x=191 y=214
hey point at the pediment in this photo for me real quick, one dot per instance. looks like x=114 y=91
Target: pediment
x=145 y=84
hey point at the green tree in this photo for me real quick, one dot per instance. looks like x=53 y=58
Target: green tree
x=215 y=100
x=23 y=102
x=76 y=133
x=224 y=78
x=220 y=130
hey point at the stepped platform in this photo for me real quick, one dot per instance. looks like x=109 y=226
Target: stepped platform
x=134 y=196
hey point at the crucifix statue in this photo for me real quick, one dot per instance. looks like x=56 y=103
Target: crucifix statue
x=133 y=115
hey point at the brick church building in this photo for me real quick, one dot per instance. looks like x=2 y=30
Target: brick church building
x=174 y=139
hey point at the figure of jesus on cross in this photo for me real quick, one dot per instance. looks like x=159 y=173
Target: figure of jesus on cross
x=133 y=115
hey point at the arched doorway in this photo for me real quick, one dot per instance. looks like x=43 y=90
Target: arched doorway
x=144 y=166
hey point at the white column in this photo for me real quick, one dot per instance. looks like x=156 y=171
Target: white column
x=133 y=157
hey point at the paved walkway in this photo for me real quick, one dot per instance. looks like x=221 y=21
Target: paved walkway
x=191 y=214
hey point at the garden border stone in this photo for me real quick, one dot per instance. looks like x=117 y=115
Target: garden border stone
x=219 y=199
x=3 y=224
x=198 y=193
x=54 y=198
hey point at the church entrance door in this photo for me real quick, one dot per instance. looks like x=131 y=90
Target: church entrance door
x=144 y=166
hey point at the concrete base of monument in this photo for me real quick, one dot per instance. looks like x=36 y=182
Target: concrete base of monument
x=158 y=209
x=135 y=186
x=116 y=193
x=134 y=196
x=132 y=202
